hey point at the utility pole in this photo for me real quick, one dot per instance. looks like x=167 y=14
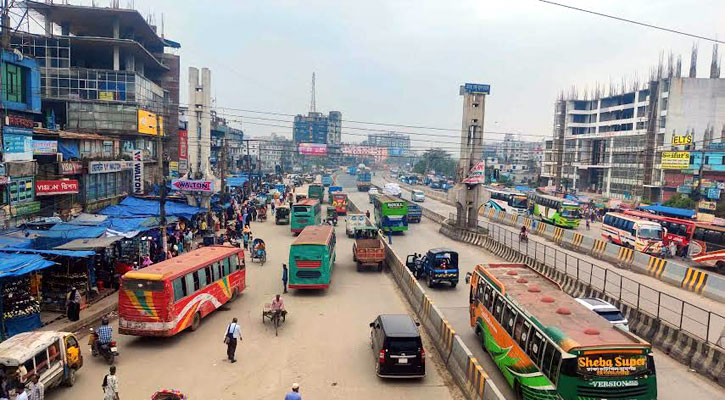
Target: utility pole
x=248 y=170
x=5 y=19
x=162 y=198
x=223 y=195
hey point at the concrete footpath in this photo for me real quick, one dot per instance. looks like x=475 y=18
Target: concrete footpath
x=89 y=316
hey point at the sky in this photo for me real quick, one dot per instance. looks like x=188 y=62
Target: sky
x=402 y=62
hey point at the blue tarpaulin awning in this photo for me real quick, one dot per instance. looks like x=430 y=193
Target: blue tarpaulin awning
x=65 y=253
x=134 y=207
x=20 y=264
x=236 y=181
x=669 y=211
x=14 y=241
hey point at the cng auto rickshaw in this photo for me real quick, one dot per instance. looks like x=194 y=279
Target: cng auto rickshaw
x=281 y=215
x=332 y=215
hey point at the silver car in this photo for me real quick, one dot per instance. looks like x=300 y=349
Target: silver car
x=417 y=195
x=606 y=310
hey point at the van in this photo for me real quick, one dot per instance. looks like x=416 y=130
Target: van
x=53 y=356
x=397 y=346
x=417 y=195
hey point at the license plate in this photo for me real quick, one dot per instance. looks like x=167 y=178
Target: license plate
x=114 y=349
x=402 y=361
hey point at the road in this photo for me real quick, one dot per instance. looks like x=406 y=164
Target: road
x=324 y=345
x=675 y=381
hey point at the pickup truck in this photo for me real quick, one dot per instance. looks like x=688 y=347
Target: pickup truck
x=415 y=213
x=438 y=265
x=368 y=249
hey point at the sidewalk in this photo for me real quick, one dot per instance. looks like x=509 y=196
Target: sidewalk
x=89 y=316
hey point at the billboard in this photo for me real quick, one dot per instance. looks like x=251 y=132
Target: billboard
x=372 y=151
x=675 y=159
x=148 y=124
x=48 y=188
x=183 y=144
x=193 y=186
x=137 y=172
x=478 y=88
x=681 y=140
x=102 y=167
x=70 y=167
x=45 y=147
x=313 y=149
x=17 y=144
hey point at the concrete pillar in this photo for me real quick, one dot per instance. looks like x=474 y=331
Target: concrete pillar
x=116 y=28
x=609 y=170
x=130 y=62
x=206 y=122
x=116 y=58
x=193 y=123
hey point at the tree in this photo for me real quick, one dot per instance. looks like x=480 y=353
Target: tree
x=680 y=201
x=437 y=160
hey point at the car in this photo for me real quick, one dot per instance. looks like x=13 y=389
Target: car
x=371 y=193
x=417 y=195
x=397 y=346
x=606 y=310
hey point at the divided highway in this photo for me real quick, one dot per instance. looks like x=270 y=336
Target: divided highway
x=675 y=381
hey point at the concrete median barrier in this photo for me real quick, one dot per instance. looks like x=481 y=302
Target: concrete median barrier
x=715 y=288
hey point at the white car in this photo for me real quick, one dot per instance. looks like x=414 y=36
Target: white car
x=417 y=195
x=371 y=193
x=606 y=310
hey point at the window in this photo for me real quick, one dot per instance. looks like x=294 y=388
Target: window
x=202 y=277
x=41 y=361
x=215 y=272
x=523 y=336
x=225 y=267
x=179 y=289
x=508 y=318
x=209 y=275
x=498 y=308
x=196 y=281
x=536 y=347
x=13 y=82
x=548 y=356
x=488 y=298
x=189 y=279
x=554 y=371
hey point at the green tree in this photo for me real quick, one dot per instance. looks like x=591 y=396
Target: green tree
x=436 y=160
x=680 y=201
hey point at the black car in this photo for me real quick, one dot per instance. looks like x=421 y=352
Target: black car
x=397 y=346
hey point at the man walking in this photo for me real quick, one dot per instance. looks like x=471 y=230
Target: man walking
x=294 y=394
x=110 y=385
x=284 y=277
x=234 y=333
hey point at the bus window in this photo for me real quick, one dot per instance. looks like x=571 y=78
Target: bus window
x=548 y=357
x=225 y=267
x=189 y=283
x=699 y=234
x=713 y=237
x=629 y=227
x=498 y=308
x=197 y=282
x=215 y=271
x=607 y=220
x=488 y=298
x=536 y=347
x=518 y=328
x=209 y=275
x=554 y=375
x=508 y=318
x=524 y=333
x=179 y=289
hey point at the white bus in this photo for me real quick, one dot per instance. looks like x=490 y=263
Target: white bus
x=510 y=202
x=628 y=231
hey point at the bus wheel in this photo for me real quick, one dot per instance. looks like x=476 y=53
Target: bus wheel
x=720 y=267
x=517 y=390
x=196 y=322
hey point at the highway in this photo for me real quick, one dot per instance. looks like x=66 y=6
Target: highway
x=675 y=381
x=324 y=344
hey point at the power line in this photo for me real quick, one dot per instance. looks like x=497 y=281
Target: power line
x=633 y=22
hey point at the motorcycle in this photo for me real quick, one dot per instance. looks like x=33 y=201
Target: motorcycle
x=109 y=351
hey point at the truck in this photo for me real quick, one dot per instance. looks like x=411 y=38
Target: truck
x=392 y=189
x=363 y=180
x=415 y=213
x=326 y=180
x=368 y=249
x=436 y=266
x=352 y=170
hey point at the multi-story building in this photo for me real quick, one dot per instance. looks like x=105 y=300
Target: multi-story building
x=275 y=153
x=520 y=160
x=621 y=145
x=322 y=131
x=106 y=80
x=221 y=131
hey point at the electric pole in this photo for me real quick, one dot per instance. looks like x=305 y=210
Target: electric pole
x=162 y=197
x=223 y=195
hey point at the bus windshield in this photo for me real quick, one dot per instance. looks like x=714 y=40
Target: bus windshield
x=518 y=201
x=570 y=212
x=650 y=232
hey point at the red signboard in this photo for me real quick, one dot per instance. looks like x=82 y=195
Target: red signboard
x=183 y=144
x=313 y=149
x=47 y=188
x=70 y=167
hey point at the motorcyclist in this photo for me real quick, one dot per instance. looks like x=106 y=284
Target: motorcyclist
x=104 y=334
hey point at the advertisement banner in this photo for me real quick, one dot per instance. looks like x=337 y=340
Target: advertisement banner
x=25 y=208
x=70 y=168
x=183 y=167
x=137 y=172
x=174 y=169
x=477 y=174
x=17 y=144
x=352 y=150
x=675 y=159
x=102 y=167
x=183 y=145
x=148 y=124
x=193 y=186
x=681 y=140
x=612 y=365
x=313 y=149
x=45 y=147
x=48 y=188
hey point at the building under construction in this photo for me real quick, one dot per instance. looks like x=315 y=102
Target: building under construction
x=611 y=141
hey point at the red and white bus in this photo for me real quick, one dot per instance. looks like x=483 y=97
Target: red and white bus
x=165 y=298
x=678 y=230
x=629 y=231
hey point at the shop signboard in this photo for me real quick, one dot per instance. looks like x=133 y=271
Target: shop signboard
x=193 y=186
x=681 y=140
x=174 y=169
x=149 y=123
x=713 y=193
x=70 y=167
x=684 y=189
x=183 y=144
x=477 y=88
x=707 y=205
x=25 y=208
x=137 y=172
x=183 y=167
x=675 y=159
x=45 y=147
x=17 y=144
x=102 y=167
x=48 y=188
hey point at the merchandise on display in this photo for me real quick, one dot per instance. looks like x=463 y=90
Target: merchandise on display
x=17 y=299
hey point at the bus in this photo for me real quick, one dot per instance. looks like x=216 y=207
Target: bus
x=304 y=213
x=630 y=231
x=391 y=213
x=548 y=346
x=705 y=243
x=316 y=191
x=165 y=298
x=339 y=201
x=555 y=210
x=510 y=202
x=311 y=258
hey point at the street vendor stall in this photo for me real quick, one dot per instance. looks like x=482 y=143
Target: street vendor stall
x=20 y=306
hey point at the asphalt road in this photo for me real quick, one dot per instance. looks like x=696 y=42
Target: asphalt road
x=675 y=381
x=324 y=345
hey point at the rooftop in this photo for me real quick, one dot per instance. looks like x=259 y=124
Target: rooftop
x=314 y=234
x=172 y=267
x=400 y=325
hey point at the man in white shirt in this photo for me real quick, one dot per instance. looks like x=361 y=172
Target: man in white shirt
x=233 y=333
x=22 y=393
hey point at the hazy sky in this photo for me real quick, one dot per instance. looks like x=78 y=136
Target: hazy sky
x=402 y=61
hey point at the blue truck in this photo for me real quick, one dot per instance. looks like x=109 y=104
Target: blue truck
x=436 y=266
x=326 y=180
x=352 y=170
x=363 y=180
x=415 y=213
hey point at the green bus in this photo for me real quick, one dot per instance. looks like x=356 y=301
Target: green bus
x=555 y=210
x=305 y=212
x=316 y=191
x=391 y=213
x=311 y=258
x=548 y=346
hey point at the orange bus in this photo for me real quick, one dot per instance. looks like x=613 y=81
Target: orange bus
x=165 y=298
x=339 y=201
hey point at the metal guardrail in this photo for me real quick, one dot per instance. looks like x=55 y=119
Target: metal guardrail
x=687 y=317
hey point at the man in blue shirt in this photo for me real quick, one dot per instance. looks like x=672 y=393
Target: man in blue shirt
x=294 y=394
x=105 y=332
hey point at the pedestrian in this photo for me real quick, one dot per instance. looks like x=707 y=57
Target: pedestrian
x=588 y=218
x=685 y=251
x=295 y=393
x=233 y=333
x=673 y=249
x=36 y=389
x=110 y=385
x=367 y=213
x=390 y=236
x=664 y=251
x=285 y=273
x=73 y=302
x=21 y=393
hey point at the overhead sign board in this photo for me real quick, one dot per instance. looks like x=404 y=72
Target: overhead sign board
x=675 y=159
x=48 y=188
x=17 y=143
x=313 y=149
x=193 y=185
x=682 y=140
x=475 y=88
x=102 y=167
